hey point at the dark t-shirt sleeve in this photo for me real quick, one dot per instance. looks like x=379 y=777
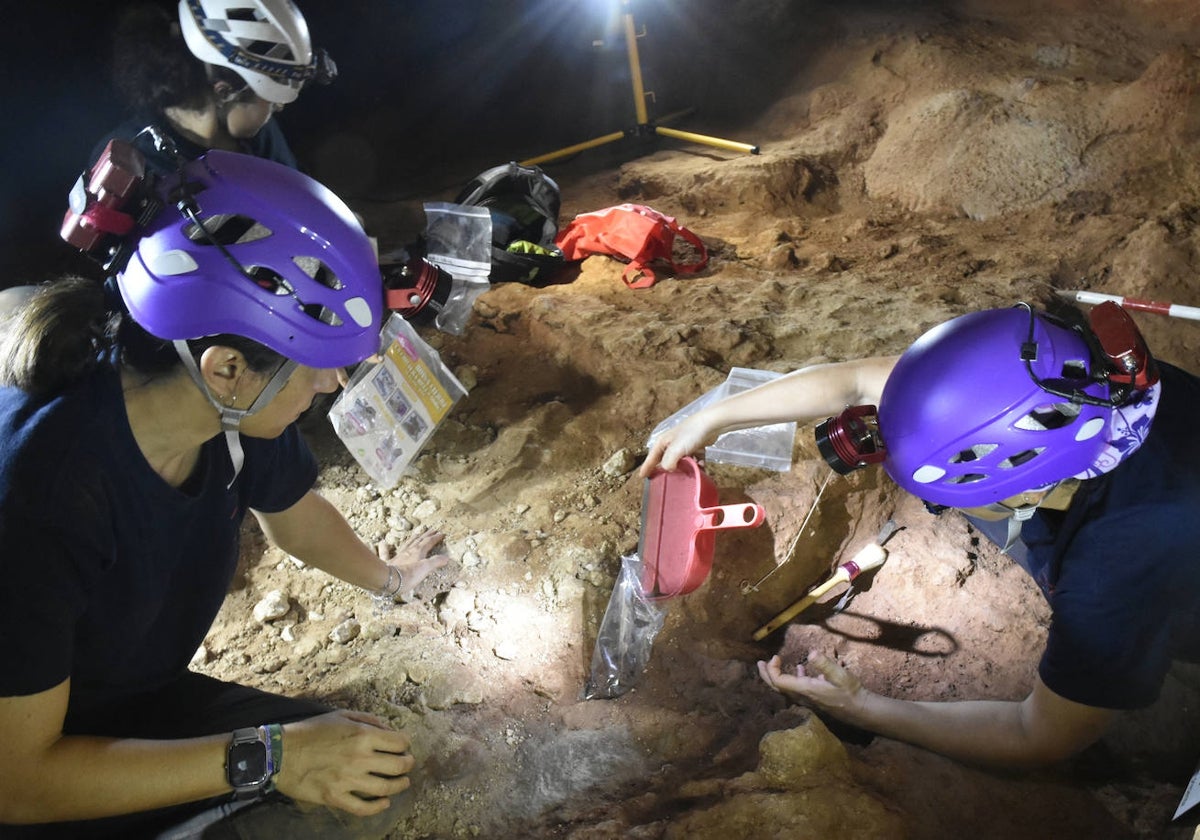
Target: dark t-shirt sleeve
x=1109 y=642
x=278 y=472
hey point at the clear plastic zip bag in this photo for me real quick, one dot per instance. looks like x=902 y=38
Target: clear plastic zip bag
x=390 y=408
x=627 y=631
x=459 y=241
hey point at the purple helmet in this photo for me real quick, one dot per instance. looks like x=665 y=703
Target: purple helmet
x=308 y=285
x=965 y=424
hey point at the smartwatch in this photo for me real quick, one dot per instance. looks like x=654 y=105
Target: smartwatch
x=248 y=764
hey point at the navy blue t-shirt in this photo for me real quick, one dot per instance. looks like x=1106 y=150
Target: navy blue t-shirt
x=269 y=144
x=108 y=575
x=1121 y=566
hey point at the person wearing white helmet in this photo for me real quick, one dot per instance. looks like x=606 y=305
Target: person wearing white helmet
x=212 y=76
x=265 y=42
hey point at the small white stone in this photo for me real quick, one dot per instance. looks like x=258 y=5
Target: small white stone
x=619 y=463
x=506 y=650
x=425 y=510
x=468 y=375
x=345 y=632
x=274 y=605
x=460 y=600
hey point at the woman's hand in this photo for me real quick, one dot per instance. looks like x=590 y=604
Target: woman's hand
x=821 y=682
x=684 y=438
x=413 y=560
x=347 y=760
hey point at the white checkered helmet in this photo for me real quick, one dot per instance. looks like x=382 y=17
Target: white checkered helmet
x=266 y=42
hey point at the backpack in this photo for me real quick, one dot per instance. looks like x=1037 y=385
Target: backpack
x=636 y=233
x=524 y=203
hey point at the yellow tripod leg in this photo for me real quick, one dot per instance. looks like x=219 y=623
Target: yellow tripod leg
x=578 y=147
x=705 y=140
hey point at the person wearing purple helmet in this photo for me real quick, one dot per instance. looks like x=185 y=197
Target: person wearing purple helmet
x=132 y=444
x=1083 y=453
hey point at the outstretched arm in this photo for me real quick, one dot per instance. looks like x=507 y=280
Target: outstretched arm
x=1041 y=729
x=315 y=531
x=810 y=393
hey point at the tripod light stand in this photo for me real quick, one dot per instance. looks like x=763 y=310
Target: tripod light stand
x=644 y=127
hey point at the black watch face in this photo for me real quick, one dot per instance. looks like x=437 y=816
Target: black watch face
x=247 y=764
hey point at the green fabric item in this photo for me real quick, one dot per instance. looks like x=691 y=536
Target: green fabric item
x=524 y=246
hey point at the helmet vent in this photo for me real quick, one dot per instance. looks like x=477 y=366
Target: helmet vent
x=270 y=280
x=226 y=229
x=322 y=313
x=1020 y=458
x=966 y=478
x=270 y=49
x=976 y=452
x=319 y=272
x=1046 y=418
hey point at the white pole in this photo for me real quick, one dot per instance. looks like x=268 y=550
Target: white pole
x=1174 y=310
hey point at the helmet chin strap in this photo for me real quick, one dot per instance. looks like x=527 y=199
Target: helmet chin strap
x=1018 y=516
x=231 y=418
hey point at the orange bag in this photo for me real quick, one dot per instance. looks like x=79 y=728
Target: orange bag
x=633 y=232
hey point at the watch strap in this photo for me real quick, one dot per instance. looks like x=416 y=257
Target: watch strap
x=272 y=734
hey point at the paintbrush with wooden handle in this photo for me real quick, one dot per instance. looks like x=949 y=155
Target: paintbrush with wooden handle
x=869 y=557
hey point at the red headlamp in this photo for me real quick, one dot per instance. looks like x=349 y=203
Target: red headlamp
x=851 y=440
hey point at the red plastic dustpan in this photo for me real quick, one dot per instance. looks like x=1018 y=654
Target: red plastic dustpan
x=679 y=517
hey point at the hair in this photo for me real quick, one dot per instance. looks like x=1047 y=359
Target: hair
x=65 y=331
x=153 y=68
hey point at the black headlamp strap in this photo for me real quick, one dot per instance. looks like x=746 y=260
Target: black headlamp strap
x=1098 y=372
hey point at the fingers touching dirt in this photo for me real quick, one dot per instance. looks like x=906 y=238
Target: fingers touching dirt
x=413 y=559
x=347 y=760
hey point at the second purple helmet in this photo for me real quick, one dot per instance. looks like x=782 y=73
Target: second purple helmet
x=293 y=269
x=966 y=425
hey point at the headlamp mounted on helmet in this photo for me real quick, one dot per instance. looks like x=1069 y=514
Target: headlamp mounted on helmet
x=1119 y=354
x=1119 y=358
